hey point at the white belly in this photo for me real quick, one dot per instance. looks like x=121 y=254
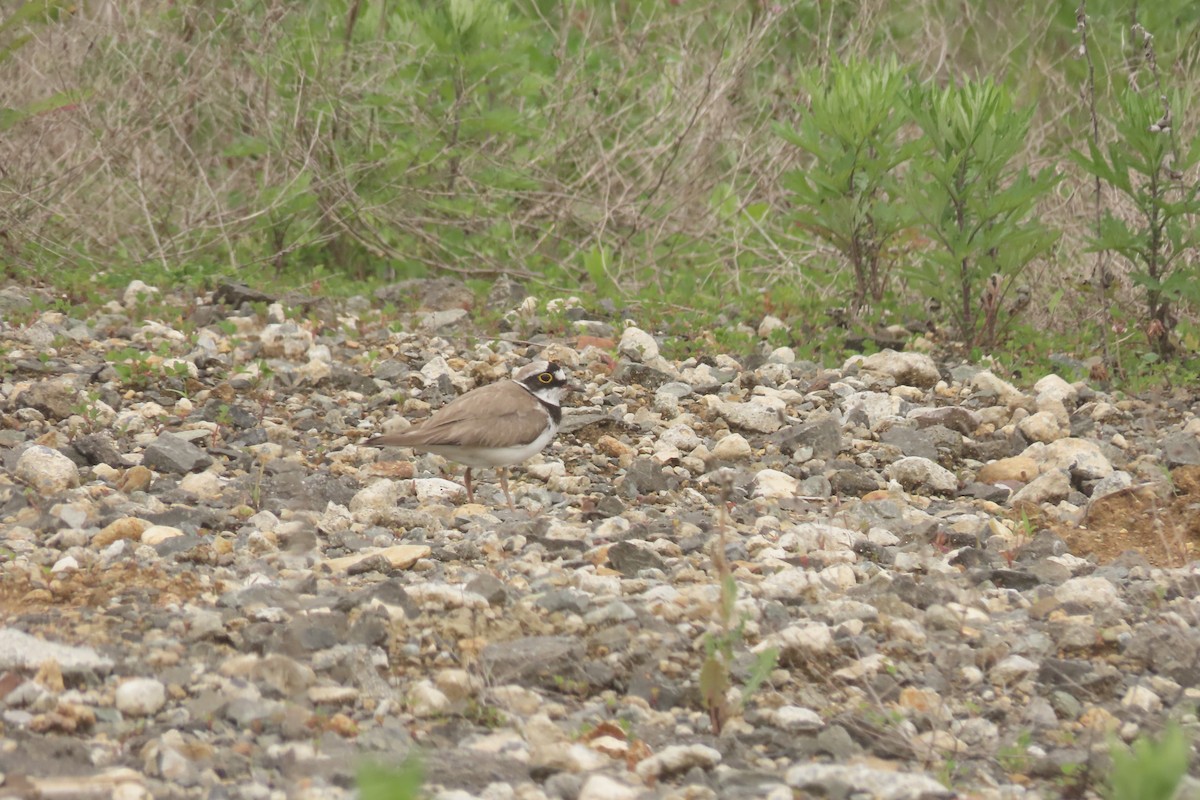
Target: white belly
x=494 y=456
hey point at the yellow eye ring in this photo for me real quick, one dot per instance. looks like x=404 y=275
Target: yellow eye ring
x=546 y=377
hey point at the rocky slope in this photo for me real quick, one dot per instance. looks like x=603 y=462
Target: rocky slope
x=209 y=588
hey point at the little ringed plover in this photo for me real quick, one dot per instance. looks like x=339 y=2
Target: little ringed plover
x=497 y=425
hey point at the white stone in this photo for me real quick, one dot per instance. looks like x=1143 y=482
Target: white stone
x=456 y=684
x=426 y=700
x=206 y=485
x=1011 y=669
x=783 y=355
x=1043 y=426
x=907 y=369
x=1089 y=592
x=1083 y=458
x=921 y=474
x=798 y=719
x=678 y=758
x=516 y=699
x=1046 y=488
x=438 y=489
x=771 y=484
x=861 y=668
x=377 y=501
x=47 y=471
x=878 y=406
x=987 y=383
x=157 y=534
x=787 y=584
x=130 y=297
x=680 y=436
x=602 y=787
x=769 y=325
x=546 y=470
x=1053 y=387
x=1141 y=698
x=286 y=339
x=65 y=564
x=757 y=415
x=838 y=576
x=433 y=370
x=812 y=638
x=733 y=447
x=637 y=345
x=810 y=536
x=140 y=697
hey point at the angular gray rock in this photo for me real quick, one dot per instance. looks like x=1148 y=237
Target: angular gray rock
x=171 y=453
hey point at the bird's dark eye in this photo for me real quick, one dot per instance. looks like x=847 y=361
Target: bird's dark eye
x=546 y=377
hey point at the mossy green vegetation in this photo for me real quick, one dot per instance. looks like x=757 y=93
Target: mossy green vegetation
x=699 y=163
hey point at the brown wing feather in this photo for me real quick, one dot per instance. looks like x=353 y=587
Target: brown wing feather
x=477 y=419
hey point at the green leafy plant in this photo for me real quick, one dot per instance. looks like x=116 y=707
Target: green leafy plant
x=391 y=783
x=721 y=646
x=1150 y=769
x=847 y=193
x=1147 y=169
x=978 y=208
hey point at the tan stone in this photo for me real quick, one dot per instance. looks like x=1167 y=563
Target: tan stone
x=135 y=479
x=401 y=556
x=123 y=528
x=1017 y=468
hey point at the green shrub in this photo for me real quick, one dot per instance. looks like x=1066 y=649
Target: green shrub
x=847 y=192
x=975 y=204
x=1151 y=769
x=1146 y=168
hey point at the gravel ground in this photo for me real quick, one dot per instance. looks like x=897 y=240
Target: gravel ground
x=210 y=588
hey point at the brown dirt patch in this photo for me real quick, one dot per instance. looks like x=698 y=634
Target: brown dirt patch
x=94 y=588
x=1160 y=525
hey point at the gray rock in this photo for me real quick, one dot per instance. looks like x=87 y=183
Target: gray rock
x=1181 y=449
x=849 y=479
x=1113 y=483
x=446 y=319
x=310 y=633
x=570 y=600
x=98 y=448
x=630 y=558
x=235 y=294
x=630 y=373
x=57 y=398
x=429 y=293
x=489 y=588
x=644 y=476
x=19 y=650
x=836 y=742
x=172 y=453
x=837 y=780
x=910 y=442
x=955 y=418
x=505 y=294
x=533 y=658
x=823 y=435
